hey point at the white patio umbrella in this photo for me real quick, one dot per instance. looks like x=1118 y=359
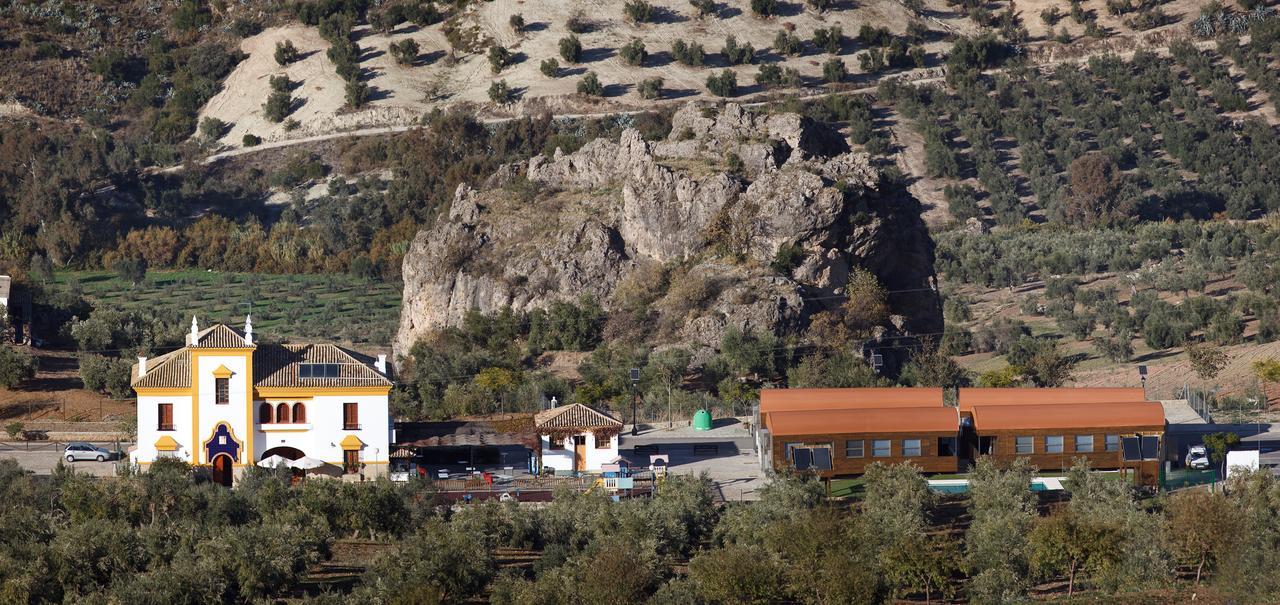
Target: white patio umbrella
x=305 y=463
x=273 y=461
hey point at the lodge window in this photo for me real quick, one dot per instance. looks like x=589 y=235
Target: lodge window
x=880 y=448
x=164 y=417
x=946 y=446
x=1084 y=443
x=1113 y=443
x=222 y=390
x=910 y=447
x=350 y=417
x=282 y=413
x=299 y=413
x=554 y=444
x=1024 y=445
x=351 y=461
x=1053 y=444
x=854 y=448
x=603 y=443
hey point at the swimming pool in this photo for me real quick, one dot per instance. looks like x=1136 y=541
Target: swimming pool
x=961 y=486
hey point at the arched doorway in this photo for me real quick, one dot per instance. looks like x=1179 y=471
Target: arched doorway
x=222 y=470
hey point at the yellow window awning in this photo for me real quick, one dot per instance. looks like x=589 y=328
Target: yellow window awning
x=222 y=372
x=166 y=444
x=351 y=442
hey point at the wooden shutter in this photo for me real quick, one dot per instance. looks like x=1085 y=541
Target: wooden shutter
x=350 y=416
x=166 y=417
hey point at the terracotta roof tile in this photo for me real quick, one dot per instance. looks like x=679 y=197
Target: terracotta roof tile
x=278 y=366
x=221 y=336
x=1139 y=415
x=865 y=420
x=970 y=397
x=782 y=400
x=171 y=370
x=574 y=416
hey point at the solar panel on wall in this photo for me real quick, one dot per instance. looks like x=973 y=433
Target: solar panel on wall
x=1132 y=448
x=802 y=458
x=821 y=459
x=1150 y=448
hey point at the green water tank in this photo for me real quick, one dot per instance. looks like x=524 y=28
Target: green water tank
x=702 y=420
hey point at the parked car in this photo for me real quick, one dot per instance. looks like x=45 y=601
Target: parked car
x=86 y=451
x=1198 y=458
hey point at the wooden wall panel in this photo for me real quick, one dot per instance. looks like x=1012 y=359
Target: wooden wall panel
x=929 y=460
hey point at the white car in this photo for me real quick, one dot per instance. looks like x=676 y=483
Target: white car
x=1198 y=458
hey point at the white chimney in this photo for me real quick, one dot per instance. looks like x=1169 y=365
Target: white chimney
x=248 y=329
x=553 y=402
x=195 y=332
x=142 y=366
x=381 y=364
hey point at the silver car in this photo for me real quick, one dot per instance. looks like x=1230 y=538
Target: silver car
x=85 y=451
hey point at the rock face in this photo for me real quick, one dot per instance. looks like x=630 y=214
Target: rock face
x=712 y=205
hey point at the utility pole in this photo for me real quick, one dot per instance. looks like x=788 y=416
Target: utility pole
x=635 y=383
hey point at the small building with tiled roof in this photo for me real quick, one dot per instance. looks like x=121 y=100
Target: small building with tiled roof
x=227 y=402
x=576 y=437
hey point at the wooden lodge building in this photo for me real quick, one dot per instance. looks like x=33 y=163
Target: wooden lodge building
x=840 y=432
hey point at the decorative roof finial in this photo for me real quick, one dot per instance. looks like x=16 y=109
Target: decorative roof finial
x=195 y=331
x=248 y=329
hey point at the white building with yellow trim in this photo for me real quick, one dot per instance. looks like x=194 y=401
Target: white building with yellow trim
x=226 y=402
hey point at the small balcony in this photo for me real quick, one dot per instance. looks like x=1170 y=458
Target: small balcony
x=283 y=427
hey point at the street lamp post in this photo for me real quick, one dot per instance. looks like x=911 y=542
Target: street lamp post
x=635 y=383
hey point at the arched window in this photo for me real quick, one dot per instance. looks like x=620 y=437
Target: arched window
x=299 y=413
x=264 y=413
x=282 y=413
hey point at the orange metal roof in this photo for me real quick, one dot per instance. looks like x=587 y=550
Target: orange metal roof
x=794 y=400
x=970 y=397
x=864 y=420
x=1144 y=414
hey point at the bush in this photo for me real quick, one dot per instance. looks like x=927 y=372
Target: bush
x=829 y=39
x=723 y=85
x=650 y=88
x=787 y=258
x=109 y=376
x=16 y=366
x=633 y=52
x=278 y=105
x=357 y=94
x=251 y=140
x=638 y=11
x=833 y=70
x=212 y=128
x=517 y=23
x=281 y=83
x=578 y=23
x=499 y=58
x=590 y=85
x=571 y=49
x=703 y=7
x=550 y=68
x=787 y=43
x=692 y=55
x=962 y=201
x=500 y=92
x=764 y=8
x=245 y=27
x=405 y=52
x=772 y=76
x=737 y=54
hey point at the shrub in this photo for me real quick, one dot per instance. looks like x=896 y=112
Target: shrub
x=787 y=43
x=633 y=52
x=787 y=258
x=833 y=70
x=571 y=49
x=278 y=105
x=723 y=85
x=650 y=88
x=212 y=128
x=16 y=366
x=578 y=23
x=550 y=68
x=105 y=375
x=281 y=84
x=962 y=201
x=291 y=125
x=405 y=52
x=764 y=8
x=829 y=39
x=500 y=92
x=704 y=7
x=357 y=94
x=590 y=85
x=517 y=23
x=737 y=54
x=638 y=11
x=499 y=58
x=251 y=140
x=245 y=27
x=692 y=55
x=772 y=76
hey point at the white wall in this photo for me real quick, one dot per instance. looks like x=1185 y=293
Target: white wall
x=324 y=437
x=149 y=419
x=233 y=413
x=563 y=459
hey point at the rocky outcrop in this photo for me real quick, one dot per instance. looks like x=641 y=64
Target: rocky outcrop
x=719 y=203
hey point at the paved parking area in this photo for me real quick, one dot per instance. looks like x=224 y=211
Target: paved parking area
x=43 y=458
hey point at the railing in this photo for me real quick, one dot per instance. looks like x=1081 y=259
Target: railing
x=350 y=427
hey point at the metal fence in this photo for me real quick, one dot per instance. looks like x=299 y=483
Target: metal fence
x=1182 y=478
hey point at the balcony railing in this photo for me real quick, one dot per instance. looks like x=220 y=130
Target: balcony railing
x=346 y=426
x=165 y=427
